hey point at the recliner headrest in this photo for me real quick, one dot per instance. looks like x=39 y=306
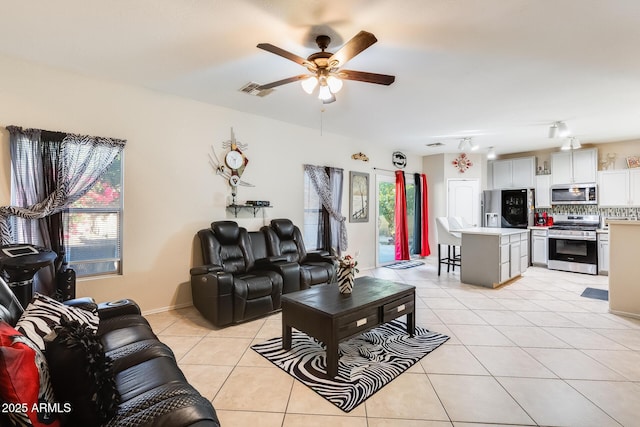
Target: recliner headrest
x=227 y=232
x=283 y=228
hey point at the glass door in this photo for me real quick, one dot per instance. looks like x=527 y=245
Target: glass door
x=385 y=214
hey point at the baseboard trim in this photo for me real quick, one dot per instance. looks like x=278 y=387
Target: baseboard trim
x=167 y=308
x=624 y=313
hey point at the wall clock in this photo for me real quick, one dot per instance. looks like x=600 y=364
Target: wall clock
x=399 y=159
x=462 y=163
x=231 y=166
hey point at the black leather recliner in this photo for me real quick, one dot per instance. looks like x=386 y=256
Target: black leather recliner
x=231 y=287
x=285 y=239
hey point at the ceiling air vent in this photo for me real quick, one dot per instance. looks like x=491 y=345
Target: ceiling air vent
x=435 y=144
x=252 y=89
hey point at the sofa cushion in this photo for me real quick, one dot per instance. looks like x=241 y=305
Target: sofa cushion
x=24 y=380
x=81 y=374
x=43 y=313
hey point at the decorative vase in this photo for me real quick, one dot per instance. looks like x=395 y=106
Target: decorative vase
x=345 y=279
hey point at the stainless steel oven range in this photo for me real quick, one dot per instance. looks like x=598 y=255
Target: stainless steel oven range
x=573 y=243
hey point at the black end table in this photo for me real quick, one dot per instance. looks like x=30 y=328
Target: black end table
x=19 y=263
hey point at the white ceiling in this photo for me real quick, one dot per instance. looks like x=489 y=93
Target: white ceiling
x=500 y=71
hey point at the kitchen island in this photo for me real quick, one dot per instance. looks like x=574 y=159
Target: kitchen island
x=624 y=269
x=493 y=256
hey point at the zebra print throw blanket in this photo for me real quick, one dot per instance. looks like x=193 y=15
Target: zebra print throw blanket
x=367 y=362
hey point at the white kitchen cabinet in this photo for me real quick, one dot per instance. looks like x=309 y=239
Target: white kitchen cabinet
x=619 y=188
x=539 y=247
x=585 y=165
x=543 y=191
x=634 y=187
x=514 y=258
x=493 y=256
x=514 y=173
x=613 y=188
x=574 y=166
x=524 y=252
x=603 y=253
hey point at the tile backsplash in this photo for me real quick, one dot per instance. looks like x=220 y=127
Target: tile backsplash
x=592 y=210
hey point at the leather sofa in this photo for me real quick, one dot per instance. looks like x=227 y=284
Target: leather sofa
x=153 y=390
x=285 y=239
x=244 y=273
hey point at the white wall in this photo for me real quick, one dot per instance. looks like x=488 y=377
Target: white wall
x=439 y=170
x=170 y=191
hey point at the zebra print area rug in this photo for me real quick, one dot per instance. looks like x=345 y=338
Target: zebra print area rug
x=367 y=362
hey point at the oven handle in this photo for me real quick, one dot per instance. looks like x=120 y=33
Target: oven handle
x=589 y=239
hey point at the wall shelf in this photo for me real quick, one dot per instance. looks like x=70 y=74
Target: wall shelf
x=237 y=208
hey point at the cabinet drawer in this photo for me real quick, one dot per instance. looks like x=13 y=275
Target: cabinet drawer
x=514 y=238
x=398 y=308
x=603 y=237
x=504 y=240
x=539 y=233
x=353 y=323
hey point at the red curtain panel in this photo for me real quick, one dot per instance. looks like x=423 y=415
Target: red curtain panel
x=402 y=233
x=425 y=250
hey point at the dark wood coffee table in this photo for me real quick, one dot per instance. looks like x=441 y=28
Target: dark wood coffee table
x=331 y=317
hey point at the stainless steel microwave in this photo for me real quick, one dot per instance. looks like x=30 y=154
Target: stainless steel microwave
x=574 y=194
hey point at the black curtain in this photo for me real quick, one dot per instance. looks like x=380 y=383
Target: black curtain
x=416 y=247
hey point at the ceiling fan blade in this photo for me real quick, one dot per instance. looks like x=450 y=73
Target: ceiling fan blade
x=285 y=54
x=362 y=76
x=283 y=81
x=357 y=44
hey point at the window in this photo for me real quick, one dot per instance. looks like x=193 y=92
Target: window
x=313 y=216
x=93 y=226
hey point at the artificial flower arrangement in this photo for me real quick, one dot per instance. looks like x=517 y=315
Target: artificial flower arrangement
x=348 y=261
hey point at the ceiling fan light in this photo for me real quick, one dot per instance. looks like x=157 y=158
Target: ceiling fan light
x=325 y=93
x=491 y=155
x=334 y=83
x=309 y=84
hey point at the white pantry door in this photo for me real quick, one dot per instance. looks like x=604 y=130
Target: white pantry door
x=463 y=199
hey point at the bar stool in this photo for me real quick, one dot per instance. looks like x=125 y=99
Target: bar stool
x=445 y=236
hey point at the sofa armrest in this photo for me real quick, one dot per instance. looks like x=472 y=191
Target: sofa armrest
x=204 y=269
x=320 y=256
x=271 y=260
x=107 y=310
x=85 y=303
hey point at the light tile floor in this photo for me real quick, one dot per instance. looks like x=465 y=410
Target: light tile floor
x=533 y=352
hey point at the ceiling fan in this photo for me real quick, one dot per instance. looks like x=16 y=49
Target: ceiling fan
x=325 y=67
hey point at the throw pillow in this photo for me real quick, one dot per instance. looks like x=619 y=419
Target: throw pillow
x=81 y=374
x=25 y=389
x=43 y=313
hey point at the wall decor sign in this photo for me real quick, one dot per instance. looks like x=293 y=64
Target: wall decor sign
x=633 y=162
x=358 y=197
x=462 y=163
x=399 y=159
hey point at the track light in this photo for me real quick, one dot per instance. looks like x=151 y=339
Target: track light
x=575 y=143
x=563 y=130
x=491 y=155
x=559 y=130
x=566 y=145
x=466 y=144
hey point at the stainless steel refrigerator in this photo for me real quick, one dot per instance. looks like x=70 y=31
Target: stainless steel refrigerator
x=508 y=208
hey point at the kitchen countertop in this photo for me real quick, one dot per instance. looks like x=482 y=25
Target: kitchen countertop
x=492 y=231
x=538 y=227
